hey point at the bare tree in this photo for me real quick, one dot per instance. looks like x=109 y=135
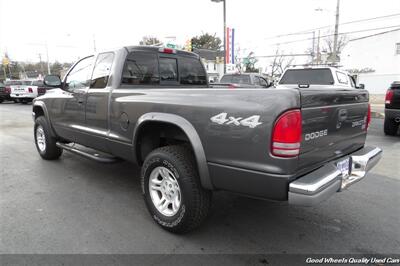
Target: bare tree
x=280 y=63
x=149 y=40
x=329 y=45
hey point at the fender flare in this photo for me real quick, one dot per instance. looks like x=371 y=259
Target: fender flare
x=46 y=115
x=190 y=132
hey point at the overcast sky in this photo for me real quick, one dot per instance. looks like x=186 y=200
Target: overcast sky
x=69 y=27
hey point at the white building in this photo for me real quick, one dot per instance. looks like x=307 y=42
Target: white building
x=376 y=59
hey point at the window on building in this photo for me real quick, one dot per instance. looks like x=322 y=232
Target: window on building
x=398 y=48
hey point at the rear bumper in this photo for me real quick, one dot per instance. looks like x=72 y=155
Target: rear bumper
x=392 y=114
x=322 y=183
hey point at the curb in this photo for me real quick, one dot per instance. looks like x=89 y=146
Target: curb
x=375 y=114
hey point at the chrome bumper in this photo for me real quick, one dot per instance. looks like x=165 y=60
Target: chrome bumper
x=327 y=180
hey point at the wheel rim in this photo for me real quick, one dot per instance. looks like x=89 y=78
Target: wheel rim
x=40 y=138
x=164 y=191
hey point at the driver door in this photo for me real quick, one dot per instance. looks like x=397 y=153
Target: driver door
x=69 y=116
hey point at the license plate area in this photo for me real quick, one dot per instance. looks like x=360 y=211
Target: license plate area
x=344 y=167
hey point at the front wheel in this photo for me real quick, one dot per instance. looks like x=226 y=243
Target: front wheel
x=172 y=190
x=45 y=142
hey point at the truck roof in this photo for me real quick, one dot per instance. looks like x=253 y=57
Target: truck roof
x=157 y=49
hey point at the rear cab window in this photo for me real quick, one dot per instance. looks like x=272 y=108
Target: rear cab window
x=13 y=82
x=321 y=76
x=237 y=79
x=37 y=83
x=159 y=69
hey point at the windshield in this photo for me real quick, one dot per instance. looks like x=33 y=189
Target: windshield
x=237 y=79
x=307 y=76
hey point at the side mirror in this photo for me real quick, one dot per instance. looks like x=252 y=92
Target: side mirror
x=52 y=81
x=361 y=86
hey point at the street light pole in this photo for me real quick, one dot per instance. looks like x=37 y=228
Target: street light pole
x=224 y=31
x=225 y=36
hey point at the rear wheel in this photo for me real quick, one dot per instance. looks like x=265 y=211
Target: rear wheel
x=45 y=143
x=1 y=100
x=172 y=190
x=390 y=127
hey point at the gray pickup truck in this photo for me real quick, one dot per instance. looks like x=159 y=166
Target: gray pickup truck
x=153 y=106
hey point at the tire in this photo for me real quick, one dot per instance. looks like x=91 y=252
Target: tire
x=45 y=143
x=177 y=162
x=390 y=127
x=1 y=100
x=24 y=102
x=16 y=100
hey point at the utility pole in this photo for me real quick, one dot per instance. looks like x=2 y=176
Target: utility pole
x=94 y=43
x=313 y=47
x=335 y=40
x=41 y=64
x=48 y=64
x=318 y=53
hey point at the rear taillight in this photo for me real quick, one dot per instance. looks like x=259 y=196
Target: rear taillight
x=368 y=116
x=167 y=50
x=232 y=86
x=7 y=90
x=389 y=96
x=30 y=90
x=41 y=90
x=286 y=135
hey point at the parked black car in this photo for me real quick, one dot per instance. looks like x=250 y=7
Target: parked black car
x=4 y=92
x=392 y=109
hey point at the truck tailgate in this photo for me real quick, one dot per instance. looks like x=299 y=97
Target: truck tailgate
x=334 y=124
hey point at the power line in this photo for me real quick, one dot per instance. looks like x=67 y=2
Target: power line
x=343 y=33
x=328 y=26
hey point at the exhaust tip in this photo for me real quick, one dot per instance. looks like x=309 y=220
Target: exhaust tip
x=397 y=119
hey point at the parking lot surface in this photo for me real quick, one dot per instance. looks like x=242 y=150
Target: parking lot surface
x=74 y=205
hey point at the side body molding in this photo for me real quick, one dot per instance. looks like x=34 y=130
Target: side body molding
x=190 y=132
x=42 y=105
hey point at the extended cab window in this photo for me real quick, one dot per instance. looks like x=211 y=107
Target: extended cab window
x=79 y=76
x=102 y=70
x=191 y=71
x=308 y=76
x=141 y=69
x=342 y=78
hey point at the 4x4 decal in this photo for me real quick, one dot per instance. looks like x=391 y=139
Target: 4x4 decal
x=223 y=119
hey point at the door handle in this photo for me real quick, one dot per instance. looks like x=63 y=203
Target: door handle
x=80 y=101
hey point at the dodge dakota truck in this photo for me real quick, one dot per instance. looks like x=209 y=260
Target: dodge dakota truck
x=153 y=106
x=392 y=109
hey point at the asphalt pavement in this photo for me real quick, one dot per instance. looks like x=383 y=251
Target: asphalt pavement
x=74 y=205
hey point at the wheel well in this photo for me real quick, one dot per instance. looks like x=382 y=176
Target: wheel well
x=38 y=111
x=153 y=135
